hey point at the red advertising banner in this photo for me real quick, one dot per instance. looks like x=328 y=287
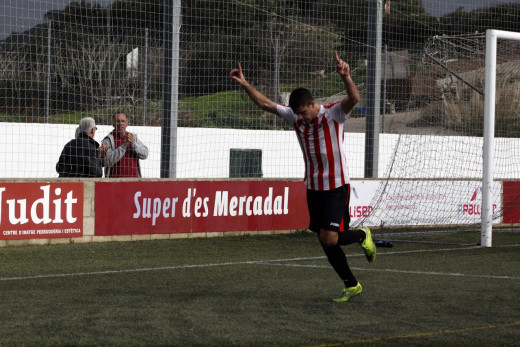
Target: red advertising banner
x=125 y=208
x=511 y=198
x=41 y=210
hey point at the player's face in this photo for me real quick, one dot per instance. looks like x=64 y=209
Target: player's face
x=306 y=113
x=120 y=124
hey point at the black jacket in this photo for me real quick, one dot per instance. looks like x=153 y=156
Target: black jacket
x=79 y=158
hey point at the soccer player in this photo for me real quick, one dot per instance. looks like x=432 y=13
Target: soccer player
x=319 y=130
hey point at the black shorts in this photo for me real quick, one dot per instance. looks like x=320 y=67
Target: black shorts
x=329 y=209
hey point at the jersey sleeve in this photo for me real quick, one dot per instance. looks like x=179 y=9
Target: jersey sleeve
x=336 y=112
x=286 y=113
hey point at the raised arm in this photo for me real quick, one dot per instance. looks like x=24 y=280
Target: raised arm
x=258 y=98
x=353 y=98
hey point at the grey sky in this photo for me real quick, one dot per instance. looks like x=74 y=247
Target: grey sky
x=442 y=7
x=21 y=15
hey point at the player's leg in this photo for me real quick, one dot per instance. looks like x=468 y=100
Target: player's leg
x=362 y=236
x=326 y=210
x=347 y=236
x=338 y=261
x=351 y=236
x=319 y=202
x=336 y=257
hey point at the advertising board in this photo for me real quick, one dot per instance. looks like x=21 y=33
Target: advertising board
x=125 y=208
x=511 y=198
x=41 y=210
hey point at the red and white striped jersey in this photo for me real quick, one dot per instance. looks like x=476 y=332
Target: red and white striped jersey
x=322 y=146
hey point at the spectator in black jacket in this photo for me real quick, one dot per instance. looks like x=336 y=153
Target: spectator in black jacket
x=82 y=157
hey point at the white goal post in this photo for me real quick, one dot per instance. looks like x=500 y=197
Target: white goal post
x=489 y=129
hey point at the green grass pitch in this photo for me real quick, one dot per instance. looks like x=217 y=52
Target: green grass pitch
x=260 y=291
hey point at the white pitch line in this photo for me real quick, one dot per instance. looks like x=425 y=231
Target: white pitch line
x=442 y=273
x=105 y=272
x=253 y=262
x=399 y=271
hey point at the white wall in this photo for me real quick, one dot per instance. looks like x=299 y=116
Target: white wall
x=32 y=150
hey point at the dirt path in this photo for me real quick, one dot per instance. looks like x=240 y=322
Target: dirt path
x=397 y=123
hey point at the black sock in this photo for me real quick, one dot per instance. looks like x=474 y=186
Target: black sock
x=351 y=236
x=339 y=263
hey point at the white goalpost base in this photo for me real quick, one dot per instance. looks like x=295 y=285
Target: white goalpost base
x=489 y=129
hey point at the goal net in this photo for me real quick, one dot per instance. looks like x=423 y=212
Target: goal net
x=446 y=187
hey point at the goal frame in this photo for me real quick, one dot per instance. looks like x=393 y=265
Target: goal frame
x=492 y=36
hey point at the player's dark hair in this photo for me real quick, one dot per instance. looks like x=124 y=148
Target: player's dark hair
x=300 y=97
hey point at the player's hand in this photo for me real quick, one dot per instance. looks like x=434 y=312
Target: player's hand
x=237 y=74
x=342 y=67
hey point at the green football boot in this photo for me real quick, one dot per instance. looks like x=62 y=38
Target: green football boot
x=348 y=293
x=368 y=245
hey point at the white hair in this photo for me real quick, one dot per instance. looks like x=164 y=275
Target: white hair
x=86 y=125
